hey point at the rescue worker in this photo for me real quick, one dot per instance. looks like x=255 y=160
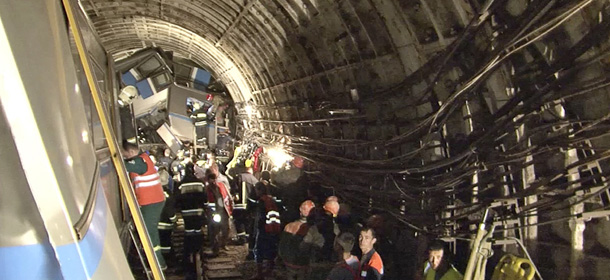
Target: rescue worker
x=273 y=189
x=371 y=263
x=191 y=202
x=246 y=180
x=168 y=216
x=223 y=181
x=332 y=208
x=329 y=229
x=220 y=177
x=223 y=208
x=149 y=192
x=349 y=266
x=438 y=265
x=199 y=171
x=342 y=218
x=244 y=217
x=177 y=167
x=212 y=160
x=165 y=160
x=323 y=259
x=251 y=209
x=268 y=228
x=297 y=242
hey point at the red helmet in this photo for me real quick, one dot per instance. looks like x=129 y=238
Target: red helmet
x=332 y=206
x=298 y=162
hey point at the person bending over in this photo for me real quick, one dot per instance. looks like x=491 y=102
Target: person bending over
x=149 y=192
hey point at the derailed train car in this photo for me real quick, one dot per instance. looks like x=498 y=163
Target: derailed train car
x=62 y=212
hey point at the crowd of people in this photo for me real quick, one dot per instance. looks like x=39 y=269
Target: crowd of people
x=320 y=244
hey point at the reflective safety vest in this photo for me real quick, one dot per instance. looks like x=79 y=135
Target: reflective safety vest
x=227 y=200
x=272 y=215
x=148 y=185
x=375 y=263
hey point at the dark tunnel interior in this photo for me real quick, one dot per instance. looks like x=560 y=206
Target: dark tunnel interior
x=418 y=114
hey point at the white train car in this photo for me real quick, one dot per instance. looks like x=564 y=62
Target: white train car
x=61 y=206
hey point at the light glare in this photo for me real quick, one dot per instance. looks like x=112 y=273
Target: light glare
x=85 y=135
x=249 y=110
x=278 y=156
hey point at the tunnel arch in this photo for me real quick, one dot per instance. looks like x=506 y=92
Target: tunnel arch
x=433 y=110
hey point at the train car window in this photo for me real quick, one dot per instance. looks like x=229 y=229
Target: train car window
x=100 y=78
x=87 y=102
x=149 y=66
x=182 y=74
x=161 y=81
x=99 y=139
x=63 y=112
x=202 y=79
x=109 y=182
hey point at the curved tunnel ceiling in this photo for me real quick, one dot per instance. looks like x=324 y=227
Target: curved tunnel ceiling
x=415 y=98
x=279 y=46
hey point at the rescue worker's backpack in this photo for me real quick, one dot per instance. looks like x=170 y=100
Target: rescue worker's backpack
x=355 y=272
x=272 y=215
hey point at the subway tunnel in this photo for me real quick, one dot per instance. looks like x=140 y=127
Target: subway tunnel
x=424 y=116
x=426 y=112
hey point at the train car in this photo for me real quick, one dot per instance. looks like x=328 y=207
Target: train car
x=62 y=212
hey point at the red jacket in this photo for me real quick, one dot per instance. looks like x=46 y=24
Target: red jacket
x=226 y=198
x=147 y=186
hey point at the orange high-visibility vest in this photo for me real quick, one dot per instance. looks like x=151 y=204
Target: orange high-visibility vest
x=148 y=185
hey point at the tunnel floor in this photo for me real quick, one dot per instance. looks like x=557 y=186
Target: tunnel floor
x=231 y=264
x=554 y=260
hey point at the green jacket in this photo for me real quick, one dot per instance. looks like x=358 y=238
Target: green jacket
x=451 y=274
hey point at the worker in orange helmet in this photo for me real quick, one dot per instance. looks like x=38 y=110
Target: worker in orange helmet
x=332 y=206
x=297 y=242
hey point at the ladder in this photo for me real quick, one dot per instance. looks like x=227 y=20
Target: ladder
x=138 y=246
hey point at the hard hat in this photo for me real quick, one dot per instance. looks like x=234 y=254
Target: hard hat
x=306 y=207
x=127 y=95
x=298 y=162
x=332 y=207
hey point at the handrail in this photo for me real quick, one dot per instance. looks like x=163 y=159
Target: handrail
x=113 y=145
x=82 y=225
